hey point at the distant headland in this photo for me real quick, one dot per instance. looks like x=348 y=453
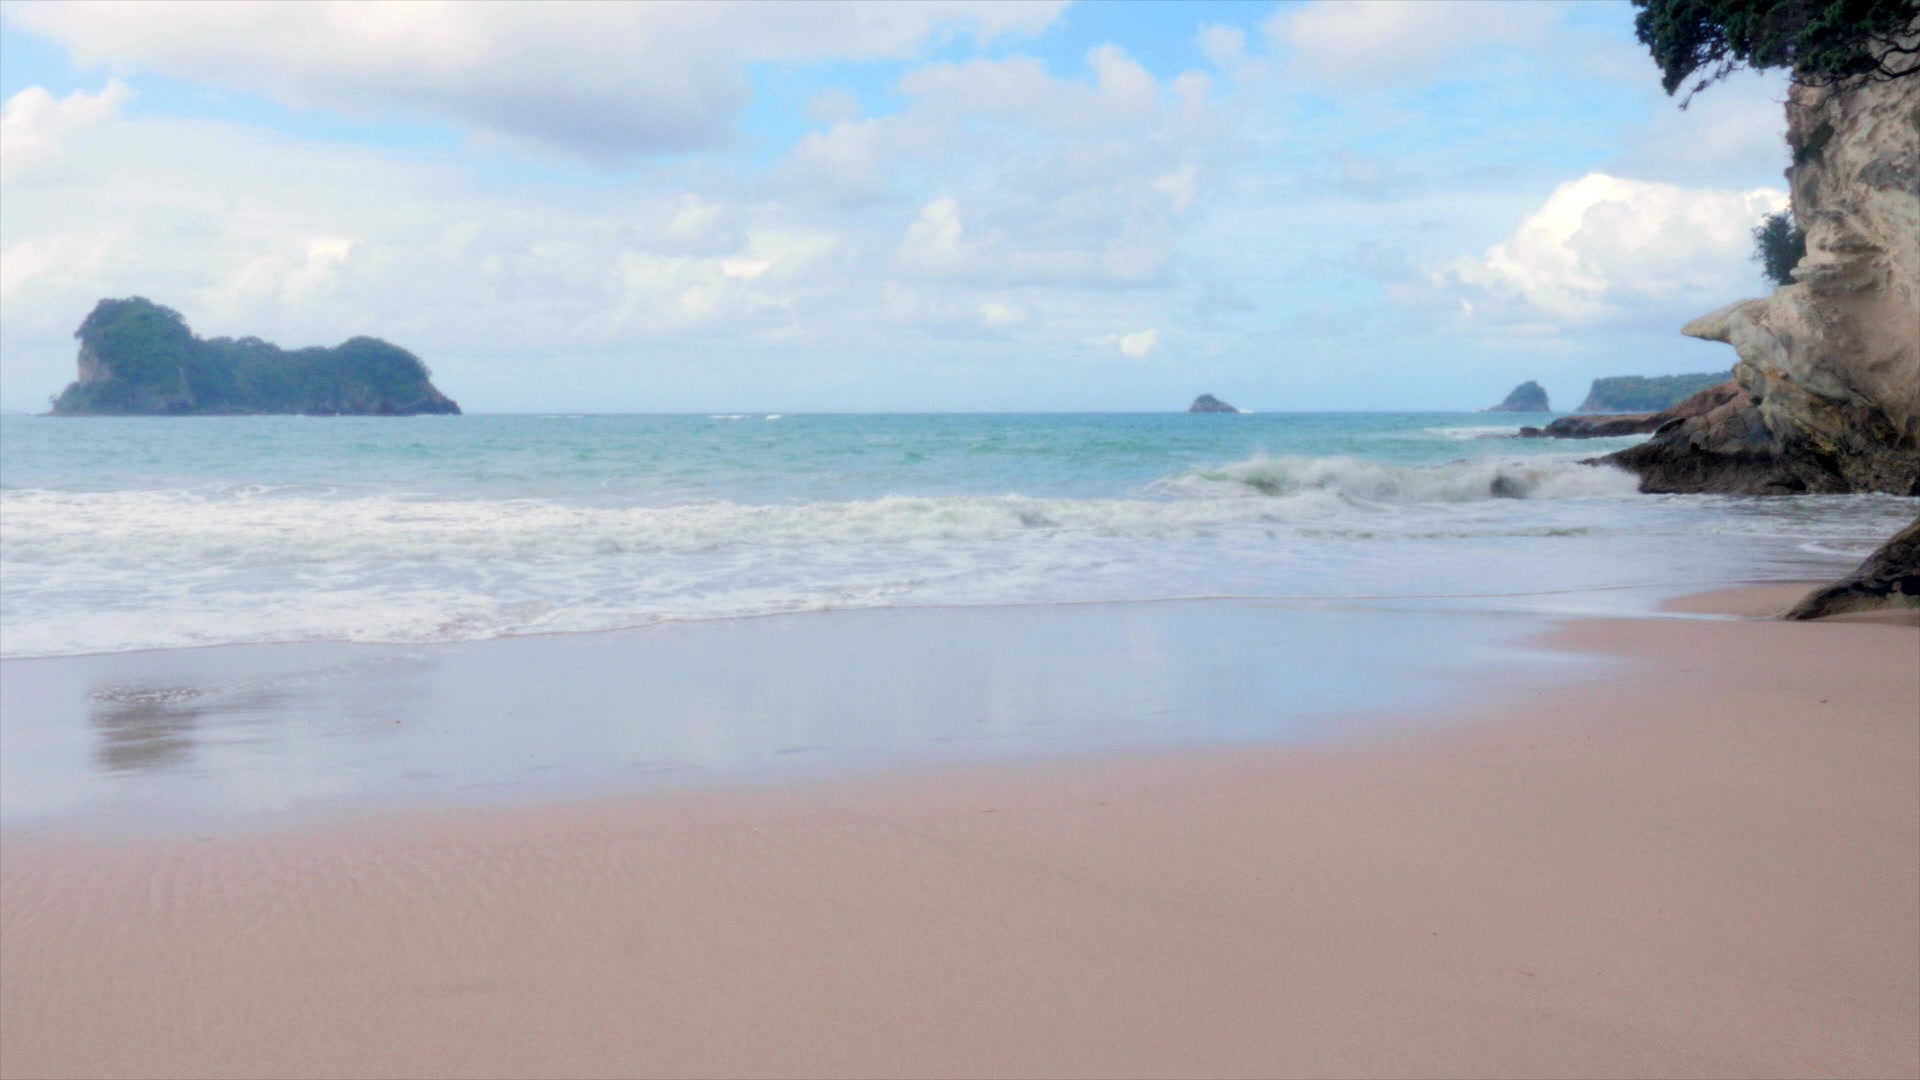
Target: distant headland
x=1642 y=393
x=139 y=358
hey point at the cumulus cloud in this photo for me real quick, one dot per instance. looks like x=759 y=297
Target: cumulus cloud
x=35 y=126
x=303 y=242
x=995 y=315
x=1121 y=90
x=1139 y=343
x=1223 y=46
x=595 y=77
x=1602 y=245
x=1387 y=41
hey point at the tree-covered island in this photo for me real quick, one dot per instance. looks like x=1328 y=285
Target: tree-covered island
x=139 y=358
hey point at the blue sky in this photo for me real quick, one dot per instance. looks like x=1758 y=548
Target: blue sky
x=873 y=206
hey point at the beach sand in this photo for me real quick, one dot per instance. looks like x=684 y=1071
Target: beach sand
x=1702 y=861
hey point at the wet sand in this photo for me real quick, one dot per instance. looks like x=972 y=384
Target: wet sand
x=1704 y=860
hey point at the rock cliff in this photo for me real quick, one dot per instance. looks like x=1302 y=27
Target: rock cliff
x=138 y=358
x=1529 y=396
x=1830 y=365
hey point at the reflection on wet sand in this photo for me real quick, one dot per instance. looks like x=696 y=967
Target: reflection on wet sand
x=144 y=729
x=272 y=729
x=150 y=729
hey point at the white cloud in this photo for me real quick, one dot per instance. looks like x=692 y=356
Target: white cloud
x=1602 y=245
x=306 y=242
x=1223 y=46
x=1020 y=87
x=995 y=315
x=601 y=78
x=1139 y=343
x=1178 y=186
x=1386 y=41
x=35 y=126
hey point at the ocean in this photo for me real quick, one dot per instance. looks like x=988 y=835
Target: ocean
x=157 y=533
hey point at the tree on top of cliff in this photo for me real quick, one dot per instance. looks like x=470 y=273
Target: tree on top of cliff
x=1823 y=42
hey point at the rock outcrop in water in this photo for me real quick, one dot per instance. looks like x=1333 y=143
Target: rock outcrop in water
x=1615 y=425
x=1889 y=578
x=1830 y=365
x=1645 y=393
x=1529 y=396
x=138 y=358
x=1207 y=403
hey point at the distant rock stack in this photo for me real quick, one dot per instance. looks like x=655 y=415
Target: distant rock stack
x=1529 y=396
x=1211 y=404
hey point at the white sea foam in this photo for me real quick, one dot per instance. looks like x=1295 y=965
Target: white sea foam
x=1369 y=481
x=105 y=570
x=1502 y=431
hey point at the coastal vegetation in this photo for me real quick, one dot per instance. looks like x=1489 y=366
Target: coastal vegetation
x=1823 y=43
x=1644 y=393
x=1778 y=246
x=141 y=358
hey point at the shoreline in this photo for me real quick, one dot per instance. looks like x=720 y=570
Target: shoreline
x=1708 y=867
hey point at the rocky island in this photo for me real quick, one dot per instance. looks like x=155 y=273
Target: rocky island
x=139 y=358
x=1207 y=403
x=1529 y=396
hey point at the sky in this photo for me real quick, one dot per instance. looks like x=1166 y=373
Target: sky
x=949 y=205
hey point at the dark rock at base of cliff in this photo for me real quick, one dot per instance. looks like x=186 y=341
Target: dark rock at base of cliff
x=1529 y=396
x=1207 y=403
x=1620 y=424
x=1729 y=450
x=1890 y=577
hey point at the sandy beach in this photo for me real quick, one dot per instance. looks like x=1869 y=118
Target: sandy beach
x=1702 y=859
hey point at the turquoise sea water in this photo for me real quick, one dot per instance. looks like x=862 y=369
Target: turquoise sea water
x=119 y=534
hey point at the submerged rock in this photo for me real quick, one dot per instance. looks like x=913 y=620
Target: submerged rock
x=1210 y=404
x=1890 y=577
x=1529 y=396
x=1830 y=365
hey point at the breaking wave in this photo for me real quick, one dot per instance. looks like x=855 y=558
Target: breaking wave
x=1373 y=482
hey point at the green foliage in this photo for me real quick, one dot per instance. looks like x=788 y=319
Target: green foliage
x=1641 y=393
x=1778 y=246
x=1823 y=42
x=151 y=362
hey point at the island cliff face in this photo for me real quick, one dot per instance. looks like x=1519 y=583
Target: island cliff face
x=1830 y=365
x=138 y=358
